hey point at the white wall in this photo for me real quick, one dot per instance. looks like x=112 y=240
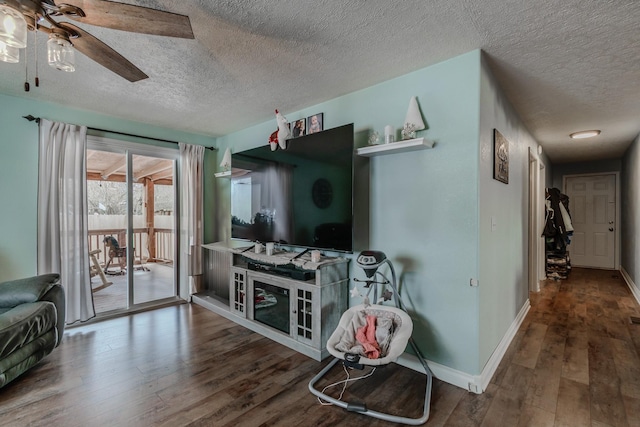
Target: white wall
x=104 y=222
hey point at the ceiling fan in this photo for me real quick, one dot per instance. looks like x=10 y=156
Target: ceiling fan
x=18 y=16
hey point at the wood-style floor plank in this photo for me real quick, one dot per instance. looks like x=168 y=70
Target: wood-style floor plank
x=575 y=361
x=575 y=365
x=543 y=392
x=529 y=350
x=509 y=400
x=573 y=408
x=531 y=416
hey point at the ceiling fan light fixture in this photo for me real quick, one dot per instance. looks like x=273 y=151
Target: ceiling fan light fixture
x=9 y=54
x=60 y=52
x=585 y=134
x=13 y=27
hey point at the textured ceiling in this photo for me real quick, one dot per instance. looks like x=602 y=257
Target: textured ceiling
x=565 y=65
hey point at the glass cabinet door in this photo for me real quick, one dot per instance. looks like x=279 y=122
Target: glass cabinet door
x=304 y=315
x=238 y=292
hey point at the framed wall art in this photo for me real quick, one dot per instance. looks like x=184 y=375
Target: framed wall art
x=500 y=157
x=315 y=123
x=299 y=128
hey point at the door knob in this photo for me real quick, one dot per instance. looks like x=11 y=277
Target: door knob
x=610 y=228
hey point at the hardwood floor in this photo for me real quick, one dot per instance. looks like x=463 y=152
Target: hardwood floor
x=574 y=362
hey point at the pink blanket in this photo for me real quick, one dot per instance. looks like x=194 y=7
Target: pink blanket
x=366 y=336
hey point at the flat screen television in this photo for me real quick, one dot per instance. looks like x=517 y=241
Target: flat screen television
x=301 y=196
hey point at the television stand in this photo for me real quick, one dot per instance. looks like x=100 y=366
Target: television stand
x=284 y=297
x=286 y=271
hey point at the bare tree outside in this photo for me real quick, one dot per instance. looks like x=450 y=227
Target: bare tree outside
x=164 y=200
x=110 y=198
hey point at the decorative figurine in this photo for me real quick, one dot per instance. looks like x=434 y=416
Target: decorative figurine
x=280 y=136
x=413 y=121
x=225 y=164
x=373 y=138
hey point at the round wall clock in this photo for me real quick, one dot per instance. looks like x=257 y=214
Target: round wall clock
x=322 y=193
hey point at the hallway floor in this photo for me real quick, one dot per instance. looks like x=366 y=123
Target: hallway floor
x=575 y=360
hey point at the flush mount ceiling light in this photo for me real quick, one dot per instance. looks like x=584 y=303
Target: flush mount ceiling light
x=585 y=134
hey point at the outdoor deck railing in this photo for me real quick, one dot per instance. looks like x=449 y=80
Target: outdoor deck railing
x=164 y=239
x=165 y=244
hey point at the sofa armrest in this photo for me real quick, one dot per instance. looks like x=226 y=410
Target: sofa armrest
x=56 y=296
x=22 y=291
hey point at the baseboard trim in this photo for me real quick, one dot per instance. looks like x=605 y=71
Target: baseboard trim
x=492 y=364
x=441 y=372
x=473 y=383
x=635 y=290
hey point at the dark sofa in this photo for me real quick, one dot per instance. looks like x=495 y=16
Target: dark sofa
x=32 y=313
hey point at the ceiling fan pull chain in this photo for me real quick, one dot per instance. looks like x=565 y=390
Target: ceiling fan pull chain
x=35 y=43
x=26 y=71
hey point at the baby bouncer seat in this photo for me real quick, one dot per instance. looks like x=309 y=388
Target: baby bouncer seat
x=372 y=335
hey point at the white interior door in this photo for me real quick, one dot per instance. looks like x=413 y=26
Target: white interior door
x=592 y=202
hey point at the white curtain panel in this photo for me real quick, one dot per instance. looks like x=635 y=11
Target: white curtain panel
x=62 y=214
x=191 y=163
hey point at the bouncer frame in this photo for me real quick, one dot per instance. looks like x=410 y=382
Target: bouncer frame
x=361 y=407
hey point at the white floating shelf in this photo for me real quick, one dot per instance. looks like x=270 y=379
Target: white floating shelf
x=233 y=173
x=395 y=147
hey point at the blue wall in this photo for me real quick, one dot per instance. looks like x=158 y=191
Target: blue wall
x=423 y=209
x=423 y=205
x=503 y=249
x=630 y=214
x=598 y=166
x=19 y=172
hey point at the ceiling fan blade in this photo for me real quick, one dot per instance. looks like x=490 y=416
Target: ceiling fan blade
x=103 y=54
x=137 y=19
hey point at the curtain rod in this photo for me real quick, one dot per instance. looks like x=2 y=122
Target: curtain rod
x=37 y=120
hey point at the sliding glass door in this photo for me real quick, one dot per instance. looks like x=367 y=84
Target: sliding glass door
x=153 y=228
x=132 y=205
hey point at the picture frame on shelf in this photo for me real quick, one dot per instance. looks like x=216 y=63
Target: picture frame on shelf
x=315 y=123
x=500 y=157
x=299 y=128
